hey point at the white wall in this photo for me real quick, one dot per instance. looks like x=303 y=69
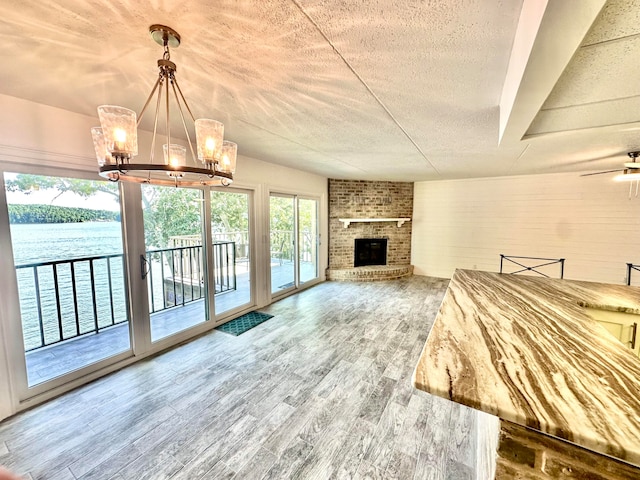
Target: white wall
x=43 y=137
x=467 y=223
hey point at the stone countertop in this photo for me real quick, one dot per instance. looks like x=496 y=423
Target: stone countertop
x=523 y=349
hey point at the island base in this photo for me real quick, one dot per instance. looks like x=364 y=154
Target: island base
x=526 y=453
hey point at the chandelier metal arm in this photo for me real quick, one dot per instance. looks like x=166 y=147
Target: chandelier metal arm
x=146 y=104
x=168 y=123
x=174 y=84
x=175 y=81
x=155 y=120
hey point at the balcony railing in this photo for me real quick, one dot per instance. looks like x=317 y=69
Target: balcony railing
x=282 y=246
x=64 y=299
x=176 y=275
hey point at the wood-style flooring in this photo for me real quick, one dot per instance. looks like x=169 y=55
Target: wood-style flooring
x=321 y=391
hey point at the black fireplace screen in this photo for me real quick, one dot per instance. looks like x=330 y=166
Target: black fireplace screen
x=370 y=251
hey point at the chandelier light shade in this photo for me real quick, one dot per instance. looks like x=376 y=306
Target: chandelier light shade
x=209 y=134
x=116 y=140
x=104 y=157
x=174 y=156
x=119 y=131
x=228 y=157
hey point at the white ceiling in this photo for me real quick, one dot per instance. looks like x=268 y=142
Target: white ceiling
x=364 y=89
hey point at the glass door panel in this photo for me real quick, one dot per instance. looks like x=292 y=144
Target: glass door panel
x=231 y=249
x=282 y=255
x=67 y=245
x=307 y=239
x=175 y=265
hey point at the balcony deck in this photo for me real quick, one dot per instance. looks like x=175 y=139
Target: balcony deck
x=50 y=362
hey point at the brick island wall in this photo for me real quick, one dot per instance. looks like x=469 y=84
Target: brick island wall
x=524 y=453
x=369 y=199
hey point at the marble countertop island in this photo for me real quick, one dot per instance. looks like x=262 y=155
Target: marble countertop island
x=523 y=349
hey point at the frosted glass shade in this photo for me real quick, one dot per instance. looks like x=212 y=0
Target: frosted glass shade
x=99 y=145
x=209 y=134
x=119 y=129
x=228 y=157
x=175 y=156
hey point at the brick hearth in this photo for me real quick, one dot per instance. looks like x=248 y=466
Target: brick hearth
x=371 y=273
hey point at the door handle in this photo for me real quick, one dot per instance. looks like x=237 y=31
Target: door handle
x=634 y=331
x=144 y=270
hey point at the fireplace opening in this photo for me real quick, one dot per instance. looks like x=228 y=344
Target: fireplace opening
x=370 y=251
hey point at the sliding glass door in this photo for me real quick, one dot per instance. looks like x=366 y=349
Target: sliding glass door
x=293 y=225
x=282 y=242
x=308 y=239
x=230 y=214
x=175 y=260
x=68 y=255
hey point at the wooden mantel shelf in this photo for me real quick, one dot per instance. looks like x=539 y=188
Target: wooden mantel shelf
x=348 y=221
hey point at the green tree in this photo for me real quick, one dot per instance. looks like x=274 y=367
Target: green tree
x=229 y=212
x=27 y=183
x=19 y=213
x=168 y=211
x=171 y=212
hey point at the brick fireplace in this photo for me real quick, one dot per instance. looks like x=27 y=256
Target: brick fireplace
x=375 y=200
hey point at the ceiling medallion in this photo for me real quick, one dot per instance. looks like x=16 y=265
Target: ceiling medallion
x=116 y=140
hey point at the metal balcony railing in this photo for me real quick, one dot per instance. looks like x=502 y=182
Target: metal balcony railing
x=176 y=275
x=64 y=299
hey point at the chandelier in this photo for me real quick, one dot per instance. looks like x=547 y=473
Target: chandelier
x=116 y=140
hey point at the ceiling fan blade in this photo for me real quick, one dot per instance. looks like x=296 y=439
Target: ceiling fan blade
x=589 y=160
x=601 y=173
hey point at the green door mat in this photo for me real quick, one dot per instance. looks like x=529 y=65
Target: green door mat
x=244 y=322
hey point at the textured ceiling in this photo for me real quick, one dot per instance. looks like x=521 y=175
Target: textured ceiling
x=600 y=86
x=363 y=89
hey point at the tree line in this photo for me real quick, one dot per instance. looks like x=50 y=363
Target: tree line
x=20 y=213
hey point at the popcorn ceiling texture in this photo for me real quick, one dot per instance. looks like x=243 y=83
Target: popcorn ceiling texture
x=346 y=89
x=340 y=89
x=369 y=199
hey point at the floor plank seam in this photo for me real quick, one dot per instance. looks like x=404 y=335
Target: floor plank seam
x=339 y=367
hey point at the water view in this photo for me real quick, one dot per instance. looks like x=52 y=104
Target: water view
x=47 y=242
x=68 y=253
x=90 y=293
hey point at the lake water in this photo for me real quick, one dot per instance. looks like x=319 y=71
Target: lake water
x=39 y=243
x=46 y=242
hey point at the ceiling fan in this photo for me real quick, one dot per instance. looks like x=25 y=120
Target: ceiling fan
x=630 y=172
x=632 y=167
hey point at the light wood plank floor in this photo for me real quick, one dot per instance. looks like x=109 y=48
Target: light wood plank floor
x=322 y=390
